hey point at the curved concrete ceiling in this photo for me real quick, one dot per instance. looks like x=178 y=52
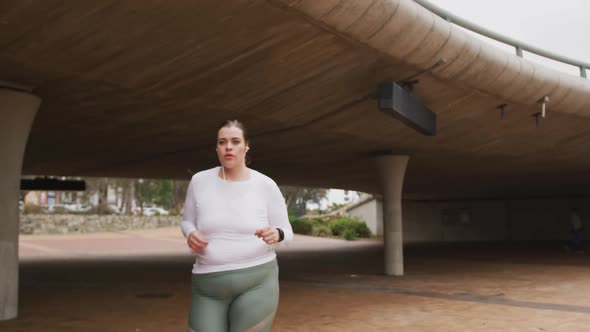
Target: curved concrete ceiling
x=409 y=33
x=138 y=88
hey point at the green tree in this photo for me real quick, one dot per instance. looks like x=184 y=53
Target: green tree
x=335 y=206
x=297 y=198
x=179 y=194
x=164 y=196
x=145 y=192
x=168 y=194
x=103 y=191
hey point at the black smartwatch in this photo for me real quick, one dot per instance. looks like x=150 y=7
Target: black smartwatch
x=281 y=234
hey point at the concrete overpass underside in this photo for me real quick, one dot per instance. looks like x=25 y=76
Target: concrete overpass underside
x=137 y=89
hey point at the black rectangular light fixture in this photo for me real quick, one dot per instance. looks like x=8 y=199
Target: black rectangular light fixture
x=404 y=106
x=52 y=184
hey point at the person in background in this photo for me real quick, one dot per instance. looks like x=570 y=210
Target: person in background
x=576 y=228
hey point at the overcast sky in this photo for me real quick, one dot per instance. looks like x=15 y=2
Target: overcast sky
x=562 y=27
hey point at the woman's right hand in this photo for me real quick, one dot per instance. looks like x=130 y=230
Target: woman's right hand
x=196 y=241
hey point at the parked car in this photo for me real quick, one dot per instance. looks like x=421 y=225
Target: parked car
x=55 y=208
x=76 y=207
x=154 y=211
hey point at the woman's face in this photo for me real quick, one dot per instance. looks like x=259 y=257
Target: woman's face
x=231 y=147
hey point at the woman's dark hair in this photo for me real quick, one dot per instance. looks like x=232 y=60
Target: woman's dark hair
x=238 y=124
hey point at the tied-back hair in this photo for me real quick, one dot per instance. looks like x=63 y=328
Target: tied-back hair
x=240 y=125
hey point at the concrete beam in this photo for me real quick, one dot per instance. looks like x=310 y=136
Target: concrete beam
x=17 y=111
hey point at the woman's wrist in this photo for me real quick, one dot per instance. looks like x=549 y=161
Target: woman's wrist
x=281 y=234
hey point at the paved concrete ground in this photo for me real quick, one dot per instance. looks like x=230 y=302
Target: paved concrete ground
x=139 y=281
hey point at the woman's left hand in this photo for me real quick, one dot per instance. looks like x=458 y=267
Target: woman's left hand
x=269 y=234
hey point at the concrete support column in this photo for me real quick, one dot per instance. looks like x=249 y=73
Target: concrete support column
x=17 y=111
x=392 y=169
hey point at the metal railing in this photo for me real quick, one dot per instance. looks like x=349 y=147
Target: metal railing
x=518 y=45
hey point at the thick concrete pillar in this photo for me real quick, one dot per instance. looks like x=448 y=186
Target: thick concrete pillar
x=17 y=111
x=392 y=169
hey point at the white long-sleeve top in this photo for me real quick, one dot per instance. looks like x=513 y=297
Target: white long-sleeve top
x=227 y=214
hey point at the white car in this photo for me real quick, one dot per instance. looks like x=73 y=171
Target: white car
x=77 y=207
x=153 y=211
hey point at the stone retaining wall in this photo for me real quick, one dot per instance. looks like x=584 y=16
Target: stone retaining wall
x=78 y=224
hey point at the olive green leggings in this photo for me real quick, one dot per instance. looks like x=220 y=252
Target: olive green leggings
x=237 y=300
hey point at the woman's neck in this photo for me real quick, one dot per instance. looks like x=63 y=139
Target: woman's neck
x=240 y=173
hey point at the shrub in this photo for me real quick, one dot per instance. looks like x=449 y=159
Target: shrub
x=301 y=226
x=321 y=230
x=349 y=234
x=103 y=209
x=317 y=222
x=59 y=210
x=30 y=208
x=349 y=227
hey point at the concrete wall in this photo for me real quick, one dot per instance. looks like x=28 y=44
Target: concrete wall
x=372 y=213
x=489 y=220
x=74 y=224
x=423 y=222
